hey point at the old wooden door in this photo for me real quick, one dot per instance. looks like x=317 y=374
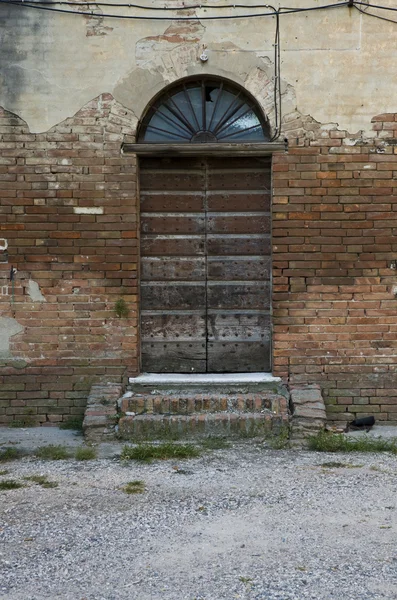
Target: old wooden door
x=205 y=264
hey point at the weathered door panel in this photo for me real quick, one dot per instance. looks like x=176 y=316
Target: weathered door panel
x=187 y=268
x=238 y=294
x=182 y=202
x=238 y=223
x=173 y=295
x=233 y=201
x=205 y=268
x=173 y=265
x=238 y=357
x=237 y=326
x=172 y=245
x=173 y=223
x=184 y=327
x=231 y=268
x=238 y=266
x=237 y=245
x=174 y=357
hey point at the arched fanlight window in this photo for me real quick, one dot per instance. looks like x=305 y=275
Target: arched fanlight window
x=203 y=111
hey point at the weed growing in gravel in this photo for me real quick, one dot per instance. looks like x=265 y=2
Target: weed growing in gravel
x=10 y=484
x=329 y=442
x=75 y=423
x=134 y=487
x=52 y=452
x=4 y=472
x=149 y=452
x=214 y=443
x=245 y=580
x=85 y=453
x=42 y=480
x=9 y=454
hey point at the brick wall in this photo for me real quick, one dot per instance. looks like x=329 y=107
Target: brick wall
x=69 y=214
x=335 y=278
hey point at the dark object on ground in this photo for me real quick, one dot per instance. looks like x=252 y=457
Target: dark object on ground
x=363 y=423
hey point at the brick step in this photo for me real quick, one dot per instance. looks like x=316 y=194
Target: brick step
x=188 y=403
x=230 y=425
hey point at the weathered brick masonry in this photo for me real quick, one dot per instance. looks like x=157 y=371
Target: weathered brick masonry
x=68 y=211
x=335 y=283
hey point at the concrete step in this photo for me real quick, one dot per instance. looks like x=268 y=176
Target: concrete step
x=209 y=383
x=230 y=425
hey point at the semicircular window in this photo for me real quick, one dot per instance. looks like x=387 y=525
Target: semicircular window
x=204 y=111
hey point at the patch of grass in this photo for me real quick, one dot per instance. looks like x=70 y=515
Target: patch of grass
x=20 y=423
x=85 y=453
x=10 y=484
x=27 y=419
x=149 y=452
x=75 y=423
x=4 y=472
x=42 y=480
x=329 y=442
x=214 y=443
x=280 y=441
x=52 y=452
x=134 y=487
x=7 y=454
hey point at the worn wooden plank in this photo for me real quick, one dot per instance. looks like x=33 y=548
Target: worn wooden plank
x=238 y=326
x=237 y=179
x=178 y=245
x=233 y=245
x=238 y=357
x=173 y=224
x=259 y=163
x=238 y=223
x=174 y=357
x=235 y=201
x=170 y=202
x=172 y=295
x=169 y=162
x=172 y=180
x=251 y=295
x=173 y=326
x=173 y=268
x=239 y=268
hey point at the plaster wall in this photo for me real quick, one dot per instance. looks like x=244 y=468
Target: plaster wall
x=337 y=65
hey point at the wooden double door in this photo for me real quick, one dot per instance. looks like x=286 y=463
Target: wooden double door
x=205 y=265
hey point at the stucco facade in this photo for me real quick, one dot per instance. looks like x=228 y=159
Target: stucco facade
x=74 y=89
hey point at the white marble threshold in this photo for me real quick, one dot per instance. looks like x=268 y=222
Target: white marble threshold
x=187 y=378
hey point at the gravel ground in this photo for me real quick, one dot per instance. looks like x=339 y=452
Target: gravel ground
x=244 y=522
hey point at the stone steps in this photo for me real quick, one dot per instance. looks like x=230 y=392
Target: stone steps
x=231 y=425
x=238 y=405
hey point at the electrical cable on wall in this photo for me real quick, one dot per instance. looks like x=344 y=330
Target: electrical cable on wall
x=48 y=5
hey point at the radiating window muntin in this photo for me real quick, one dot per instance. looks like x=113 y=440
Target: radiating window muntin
x=204 y=110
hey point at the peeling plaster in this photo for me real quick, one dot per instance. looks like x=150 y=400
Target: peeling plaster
x=34 y=292
x=330 y=62
x=8 y=328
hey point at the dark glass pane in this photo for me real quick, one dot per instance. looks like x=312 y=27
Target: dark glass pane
x=204 y=110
